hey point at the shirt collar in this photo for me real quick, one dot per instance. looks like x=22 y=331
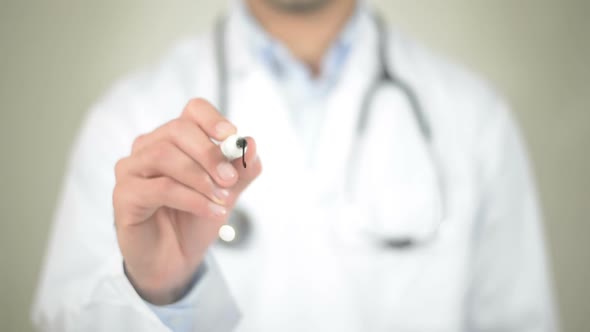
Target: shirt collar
x=280 y=62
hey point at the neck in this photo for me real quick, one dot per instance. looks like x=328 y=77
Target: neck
x=307 y=35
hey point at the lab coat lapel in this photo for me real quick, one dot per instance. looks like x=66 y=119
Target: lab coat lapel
x=257 y=108
x=343 y=108
x=392 y=155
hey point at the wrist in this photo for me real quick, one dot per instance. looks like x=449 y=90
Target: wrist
x=160 y=291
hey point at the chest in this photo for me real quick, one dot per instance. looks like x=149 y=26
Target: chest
x=318 y=228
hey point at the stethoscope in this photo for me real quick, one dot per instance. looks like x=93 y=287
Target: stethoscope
x=236 y=232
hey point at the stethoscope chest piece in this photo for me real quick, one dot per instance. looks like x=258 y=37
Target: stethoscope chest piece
x=236 y=232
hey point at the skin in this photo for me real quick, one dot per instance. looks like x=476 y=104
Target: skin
x=172 y=195
x=175 y=190
x=306 y=27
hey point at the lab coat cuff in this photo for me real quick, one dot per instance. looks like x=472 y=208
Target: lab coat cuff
x=208 y=306
x=178 y=316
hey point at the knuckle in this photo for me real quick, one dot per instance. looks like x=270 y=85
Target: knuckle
x=195 y=103
x=175 y=129
x=124 y=203
x=120 y=168
x=193 y=106
x=158 y=153
x=174 y=126
x=199 y=109
x=138 y=142
x=118 y=195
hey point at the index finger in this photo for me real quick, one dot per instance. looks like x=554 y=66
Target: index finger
x=208 y=118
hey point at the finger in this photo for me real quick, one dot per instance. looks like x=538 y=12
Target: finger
x=169 y=131
x=209 y=119
x=191 y=139
x=166 y=159
x=140 y=198
x=204 y=115
x=253 y=167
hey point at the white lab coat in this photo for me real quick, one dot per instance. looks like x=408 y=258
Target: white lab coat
x=312 y=263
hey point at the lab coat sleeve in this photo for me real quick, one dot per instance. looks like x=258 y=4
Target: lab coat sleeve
x=205 y=307
x=509 y=286
x=83 y=286
x=178 y=316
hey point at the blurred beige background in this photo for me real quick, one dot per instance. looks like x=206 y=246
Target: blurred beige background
x=57 y=57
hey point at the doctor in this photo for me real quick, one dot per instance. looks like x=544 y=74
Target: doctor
x=395 y=196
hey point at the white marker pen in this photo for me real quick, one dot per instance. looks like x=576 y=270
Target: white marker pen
x=234 y=147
